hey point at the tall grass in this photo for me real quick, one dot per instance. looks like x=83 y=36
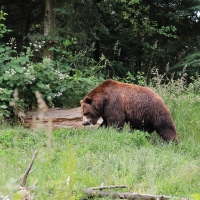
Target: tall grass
x=74 y=159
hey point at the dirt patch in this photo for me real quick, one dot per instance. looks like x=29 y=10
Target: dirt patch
x=70 y=118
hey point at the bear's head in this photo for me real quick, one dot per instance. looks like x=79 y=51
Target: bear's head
x=89 y=111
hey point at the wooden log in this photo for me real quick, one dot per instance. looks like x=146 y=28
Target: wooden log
x=126 y=195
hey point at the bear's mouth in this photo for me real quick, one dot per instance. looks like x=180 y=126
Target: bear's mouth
x=86 y=121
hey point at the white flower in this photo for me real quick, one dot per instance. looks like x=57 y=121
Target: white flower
x=59 y=94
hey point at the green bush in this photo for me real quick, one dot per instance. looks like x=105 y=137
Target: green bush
x=60 y=84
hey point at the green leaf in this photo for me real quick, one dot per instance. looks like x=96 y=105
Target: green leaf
x=40 y=85
x=63 y=89
x=2 y=50
x=19 y=69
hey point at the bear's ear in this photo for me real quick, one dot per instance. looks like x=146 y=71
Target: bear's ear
x=81 y=101
x=88 y=100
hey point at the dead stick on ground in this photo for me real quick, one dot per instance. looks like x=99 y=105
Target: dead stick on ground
x=108 y=187
x=24 y=178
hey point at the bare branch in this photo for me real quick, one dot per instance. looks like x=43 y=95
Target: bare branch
x=108 y=187
x=24 y=178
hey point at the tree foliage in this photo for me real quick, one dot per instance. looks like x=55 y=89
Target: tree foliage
x=108 y=38
x=124 y=31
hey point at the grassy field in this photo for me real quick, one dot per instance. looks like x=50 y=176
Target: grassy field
x=70 y=160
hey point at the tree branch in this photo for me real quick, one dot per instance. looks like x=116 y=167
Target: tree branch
x=108 y=187
x=24 y=178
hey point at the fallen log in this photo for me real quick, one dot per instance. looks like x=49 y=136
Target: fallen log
x=124 y=195
x=98 y=193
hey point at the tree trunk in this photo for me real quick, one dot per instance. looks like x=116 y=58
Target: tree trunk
x=23 y=24
x=48 y=25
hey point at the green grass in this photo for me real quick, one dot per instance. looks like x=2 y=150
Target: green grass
x=70 y=160
x=91 y=157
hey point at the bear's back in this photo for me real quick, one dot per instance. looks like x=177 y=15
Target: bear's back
x=113 y=88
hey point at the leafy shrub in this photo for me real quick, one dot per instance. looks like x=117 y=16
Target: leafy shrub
x=52 y=81
x=191 y=60
x=3 y=28
x=5 y=96
x=139 y=78
x=60 y=84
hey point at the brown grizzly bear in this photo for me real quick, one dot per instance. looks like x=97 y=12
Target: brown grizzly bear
x=119 y=103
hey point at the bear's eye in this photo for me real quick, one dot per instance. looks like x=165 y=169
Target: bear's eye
x=86 y=114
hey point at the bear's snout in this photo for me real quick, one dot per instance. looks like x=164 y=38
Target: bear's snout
x=85 y=123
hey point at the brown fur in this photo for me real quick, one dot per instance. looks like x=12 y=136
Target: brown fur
x=119 y=103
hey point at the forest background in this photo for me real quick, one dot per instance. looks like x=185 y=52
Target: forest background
x=65 y=48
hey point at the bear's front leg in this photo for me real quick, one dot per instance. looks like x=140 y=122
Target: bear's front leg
x=113 y=121
x=103 y=124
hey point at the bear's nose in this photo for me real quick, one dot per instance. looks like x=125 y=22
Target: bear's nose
x=86 y=123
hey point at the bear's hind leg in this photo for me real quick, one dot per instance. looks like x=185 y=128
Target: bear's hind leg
x=169 y=135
